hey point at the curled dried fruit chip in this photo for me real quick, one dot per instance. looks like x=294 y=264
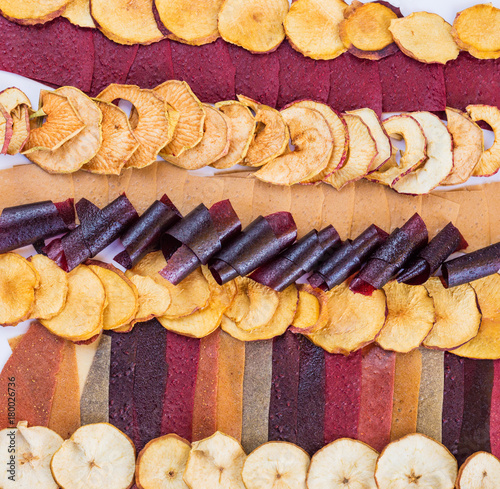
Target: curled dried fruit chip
x=16 y=105
x=153 y=299
x=481 y=469
x=306 y=18
x=12 y=97
x=20 y=129
x=312 y=310
x=256 y=26
x=18 y=281
x=29 y=12
x=78 y=13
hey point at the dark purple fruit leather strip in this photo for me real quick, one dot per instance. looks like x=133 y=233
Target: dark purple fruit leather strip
x=278 y=274
x=182 y=263
x=374 y=275
x=225 y=219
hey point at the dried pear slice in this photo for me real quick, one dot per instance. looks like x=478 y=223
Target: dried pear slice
x=457 y=315
x=312 y=310
x=154 y=127
x=362 y=152
x=242 y=128
x=189 y=129
x=489 y=162
x=410 y=317
x=153 y=299
x=313 y=145
x=96 y=456
x=82 y=315
x=271 y=135
x=78 y=13
x=354 y=320
x=213 y=145
x=28 y=12
x=50 y=296
x=308 y=17
x=241 y=303
x=256 y=26
x=18 y=281
x=480 y=470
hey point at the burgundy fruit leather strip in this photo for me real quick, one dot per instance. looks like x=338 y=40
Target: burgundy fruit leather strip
x=207 y=69
x=284 y=388
x=301 y=78
x=182 y=359
x=475 y=433
x=377 y=389
x=112 y=62
x=453 y=401
x=152 y=65
x=26 y=224
x=354 y=84
x=472 y=266
x=446 y=242
x=145 y=234
x=256 y=77
x=408 y=85
x=57 y=52
x=495 y=412
x=150 y=381
x=311 y=397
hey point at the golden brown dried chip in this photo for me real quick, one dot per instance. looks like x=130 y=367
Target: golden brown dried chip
x=29 y=12
x=20 y=129
x=308 y=17
x=153 y=299
x=18 y=281
x=78 y=13
x=312 y=310
x=154 y=127
x=488 y=296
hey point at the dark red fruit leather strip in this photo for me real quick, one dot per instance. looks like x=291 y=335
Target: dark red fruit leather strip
x=495 y=412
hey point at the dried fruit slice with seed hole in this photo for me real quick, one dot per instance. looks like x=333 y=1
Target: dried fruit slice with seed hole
x=27 y=12
x=480 y=470
x=153 y=299
x=312 y=310
x=12 y=97
x=78 y=13
x=275 y=465
x=97 y=455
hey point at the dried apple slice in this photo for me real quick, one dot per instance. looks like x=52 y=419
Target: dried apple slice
x=215 y=462
x=439 y=161
x=82 y=314
x=213 y=145
x=154 y=127
x=50 y=296
x=162 y=462
x=344 y=463
x=20 y=129
x=78 y=13
x=271 y=135
x=362 y=152
x=354 y=320
x=242 y=128
x=28 y=12
x=480 y=470
x=152 y=300
x=256 y=26
x=488 y=295
x=308 y=17
x=410 y=317
x=407 y=460
x=438 y=47
x=457 y=315
x=189 y=129
x=489 y=163
x=96 y=456
x=18 y=281
x=312 y=310
x=468 y=146
x=275 y=465
x=241 y=303
x=313 y=146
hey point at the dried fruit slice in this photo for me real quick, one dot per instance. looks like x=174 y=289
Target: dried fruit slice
x=34 y=448
x=313 y=146
x=489 y=162
x=275 y=465
x=439 y=161
x=28 y=12
x=20 y=129
x=306 y=18
x=271 y=135
x=408 y=460
x=162 y=462
x=153 y=299
x=343 y=464
x=189 y=129
x=213 y=145
x=354 y=320
x=410 y=317
x=50 y=296
x=256 y=26
x=125 y=22
x=154 y=126
x=312 y=310
x=12 y=97
x=242 y=128
x=438 y=47
x=488 y=295
x=362 y=152
x=97 y=455
x=481 y=469
x=457 y=315
x=241 y=304
x=18 y=281
x=82 y=314
x=215 y=462
x=468 y=146
x=78 y=13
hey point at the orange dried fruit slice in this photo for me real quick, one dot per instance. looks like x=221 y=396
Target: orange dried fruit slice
x=312 y=310
x=29 y=12
x=78 y=13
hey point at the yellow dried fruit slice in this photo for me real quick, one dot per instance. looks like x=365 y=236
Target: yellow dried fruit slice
x=256 y=25
x=308 y=17
x=154 y=127
x=20 y=129
x=312 y=310
x=29 y=12
x=78 y=13
x=153 y=299
x=488 y=295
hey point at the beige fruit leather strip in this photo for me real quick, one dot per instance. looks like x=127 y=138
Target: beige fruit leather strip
x=401 y=207
x=198 y=190
x=306 y=208
x=142 y=187
x=338 y=208
x=438 y=212
x=84 y=359
x=237 y=190
x=92 y=187
x=170 y=180
x=269 y=198
x=492 y=193
x=118 y=184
